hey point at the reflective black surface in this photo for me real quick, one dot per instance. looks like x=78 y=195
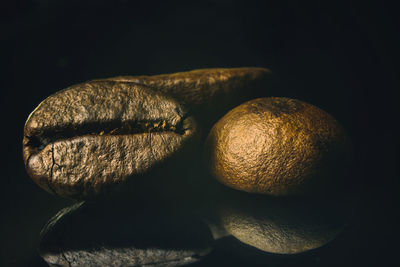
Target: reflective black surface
x=341 y=57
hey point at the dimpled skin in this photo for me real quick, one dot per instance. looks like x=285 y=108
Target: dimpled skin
x=277 y=146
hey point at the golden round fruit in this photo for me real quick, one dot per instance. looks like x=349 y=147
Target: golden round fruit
x=278 y=146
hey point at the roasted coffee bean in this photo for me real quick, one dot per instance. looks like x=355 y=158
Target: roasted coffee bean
x=104 y=234
x=198 y=88
x=281 y=147
x=209 y=93
x=90 y=137
x=93 y=136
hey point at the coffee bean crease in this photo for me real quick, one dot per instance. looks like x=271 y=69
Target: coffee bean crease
x=91 y=136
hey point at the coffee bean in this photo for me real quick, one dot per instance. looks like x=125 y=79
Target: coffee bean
x=90 y=137
x=202 y=87
x=209 y=93
x=104 y=234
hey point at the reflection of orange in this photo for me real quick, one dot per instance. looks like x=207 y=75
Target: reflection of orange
x=277 y=146
x=278 y=226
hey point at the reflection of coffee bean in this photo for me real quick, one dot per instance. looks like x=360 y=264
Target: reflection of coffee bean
x=279 y=146
x=283 y=226
x=82 y=140
x=102 y=234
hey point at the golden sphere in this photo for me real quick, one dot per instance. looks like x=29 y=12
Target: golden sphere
x=278 y=146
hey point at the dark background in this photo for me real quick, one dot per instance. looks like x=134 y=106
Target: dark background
x=340 y=57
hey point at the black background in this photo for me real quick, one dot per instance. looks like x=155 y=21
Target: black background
x=340 y=57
